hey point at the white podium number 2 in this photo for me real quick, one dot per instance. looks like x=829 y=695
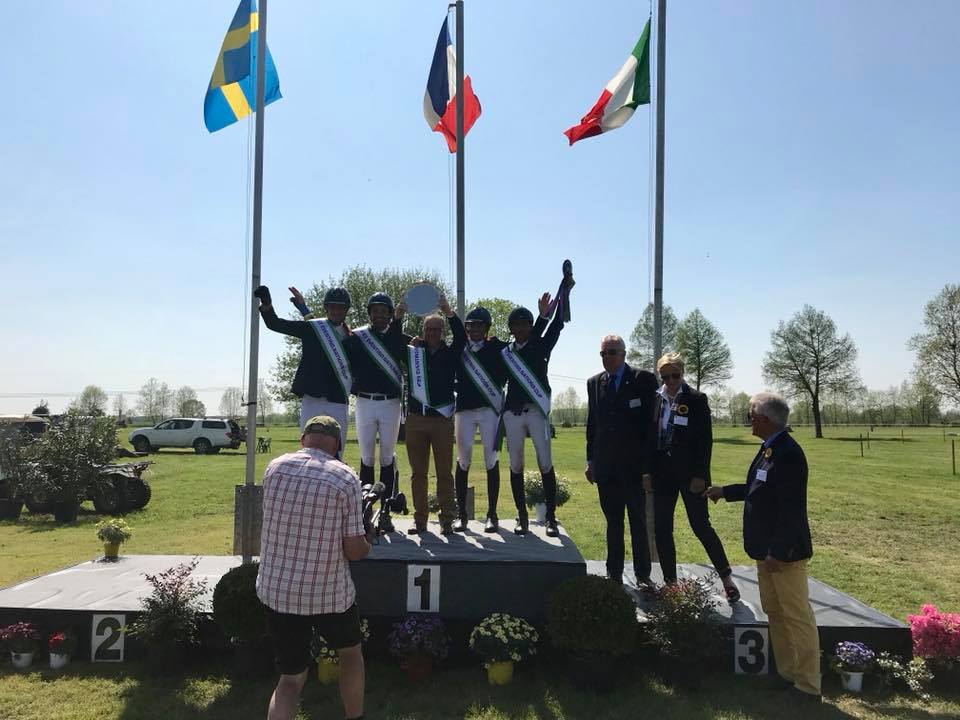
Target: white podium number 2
x=750 y=654
x=423 y=588
x=106 y=638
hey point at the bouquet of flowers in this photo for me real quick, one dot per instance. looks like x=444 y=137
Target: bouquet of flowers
x=852 y=657
x=500 y=637
x=61 y=643
x=21 y=637
x=417 y=634
x=936 y=635
x=914 y=674
x=113 y=530
x=322 y=652
x=533 y=487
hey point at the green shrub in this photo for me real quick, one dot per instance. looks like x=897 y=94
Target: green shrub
x=172 y=611
x=236 y=607
x=591 y=616
x=114 y=530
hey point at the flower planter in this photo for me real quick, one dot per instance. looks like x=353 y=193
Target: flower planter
x=111 y=551
x=852 y=681
x=328 y=671
x=419 y=667
x=66 y=512
x=10 y=509
x=540 y=512
x=21 y=661
x=58 y=661
x=500 y=673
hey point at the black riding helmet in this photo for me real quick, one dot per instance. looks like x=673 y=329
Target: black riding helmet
x=337 y=296
x=479 y=315
x=519 y=313
x=380 y=298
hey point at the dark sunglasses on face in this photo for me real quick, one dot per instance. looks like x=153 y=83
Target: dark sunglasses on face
x=671 y=376
x=604 y=353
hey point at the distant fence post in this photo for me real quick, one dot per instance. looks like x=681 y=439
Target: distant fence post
x=861 y=444
x=901 y=435
x=953 y=454
x=868 y=439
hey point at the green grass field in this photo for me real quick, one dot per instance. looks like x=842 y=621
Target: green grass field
x=886 y=528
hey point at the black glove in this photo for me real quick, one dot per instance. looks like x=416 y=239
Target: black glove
x=263 y=293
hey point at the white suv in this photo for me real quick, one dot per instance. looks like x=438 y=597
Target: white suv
x=204 y=435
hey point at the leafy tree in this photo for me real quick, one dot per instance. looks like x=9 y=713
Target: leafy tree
x=194 y=408
x=155 y=400
x=231 y=402
x=92 y=401
x=808 y=358
x=264 y=402
x=938 y=346
x=185 y=401
x=119 y=406
x=567 y=406
x=641 y=339
x=739 y=406
x=706 y=355
x=42 y=409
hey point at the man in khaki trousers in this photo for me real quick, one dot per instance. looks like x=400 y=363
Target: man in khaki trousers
x=432 y=366
x=777 y=535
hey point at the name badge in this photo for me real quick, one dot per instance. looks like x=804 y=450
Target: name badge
x=636 y=402
x=762 y=475
x=680 y=420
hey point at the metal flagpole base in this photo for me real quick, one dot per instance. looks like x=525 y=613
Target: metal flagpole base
x=247 y=521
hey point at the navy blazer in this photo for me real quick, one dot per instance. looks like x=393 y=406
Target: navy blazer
x=688 y=448
x=775 y=505
x=618 y=426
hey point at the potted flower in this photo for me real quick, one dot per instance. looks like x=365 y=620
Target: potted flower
x=683 y=626
x=61 y=645
x=502 y=640
x=168 y=621
x=419 y=640
x=851 y=660
x=936 y=638
x=112 y=532
x=21 y=639
x=328 y=659
x=533 y=488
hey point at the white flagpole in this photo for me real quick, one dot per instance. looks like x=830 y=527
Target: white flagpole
x=461 y=264
x=658 y=203
x=249 y=502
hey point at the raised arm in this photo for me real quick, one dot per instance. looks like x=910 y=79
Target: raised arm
x=456 y=326
x=295 y=328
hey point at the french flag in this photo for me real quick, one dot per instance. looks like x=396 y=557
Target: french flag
x=440 y=98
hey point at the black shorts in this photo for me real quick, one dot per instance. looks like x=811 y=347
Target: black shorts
x=291 y=635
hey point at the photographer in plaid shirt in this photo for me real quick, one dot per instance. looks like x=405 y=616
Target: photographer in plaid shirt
x=312 y=527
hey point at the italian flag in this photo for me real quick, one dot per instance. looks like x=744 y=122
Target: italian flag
x=627 y=89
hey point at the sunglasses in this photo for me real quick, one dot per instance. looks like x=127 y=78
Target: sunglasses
x=671 y=376
x=604 y=353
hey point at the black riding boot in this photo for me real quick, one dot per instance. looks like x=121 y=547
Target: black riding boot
x=493 y=491
x=460 y=483
x=550 y=498
x=388 y=474
x=520 y=500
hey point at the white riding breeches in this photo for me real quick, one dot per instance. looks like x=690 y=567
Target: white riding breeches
x=466 y=423
x=517 y=426
x=373 y=417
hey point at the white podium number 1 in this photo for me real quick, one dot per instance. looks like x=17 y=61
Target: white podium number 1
x=106 y=638
x=750 y=654
x=423 y=588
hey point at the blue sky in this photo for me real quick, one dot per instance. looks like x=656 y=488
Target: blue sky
x=811 y=157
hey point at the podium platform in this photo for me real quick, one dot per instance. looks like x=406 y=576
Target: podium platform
x=463 y=577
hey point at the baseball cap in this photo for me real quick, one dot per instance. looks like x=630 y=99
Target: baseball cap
x=323 y=424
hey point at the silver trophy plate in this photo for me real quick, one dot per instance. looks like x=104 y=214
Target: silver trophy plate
x=422 y=299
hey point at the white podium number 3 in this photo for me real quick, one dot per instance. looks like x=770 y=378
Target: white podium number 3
x=106 y=638
x=750 y=654
x=423 y=588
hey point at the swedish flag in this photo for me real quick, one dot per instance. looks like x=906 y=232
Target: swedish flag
x=232 y=94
